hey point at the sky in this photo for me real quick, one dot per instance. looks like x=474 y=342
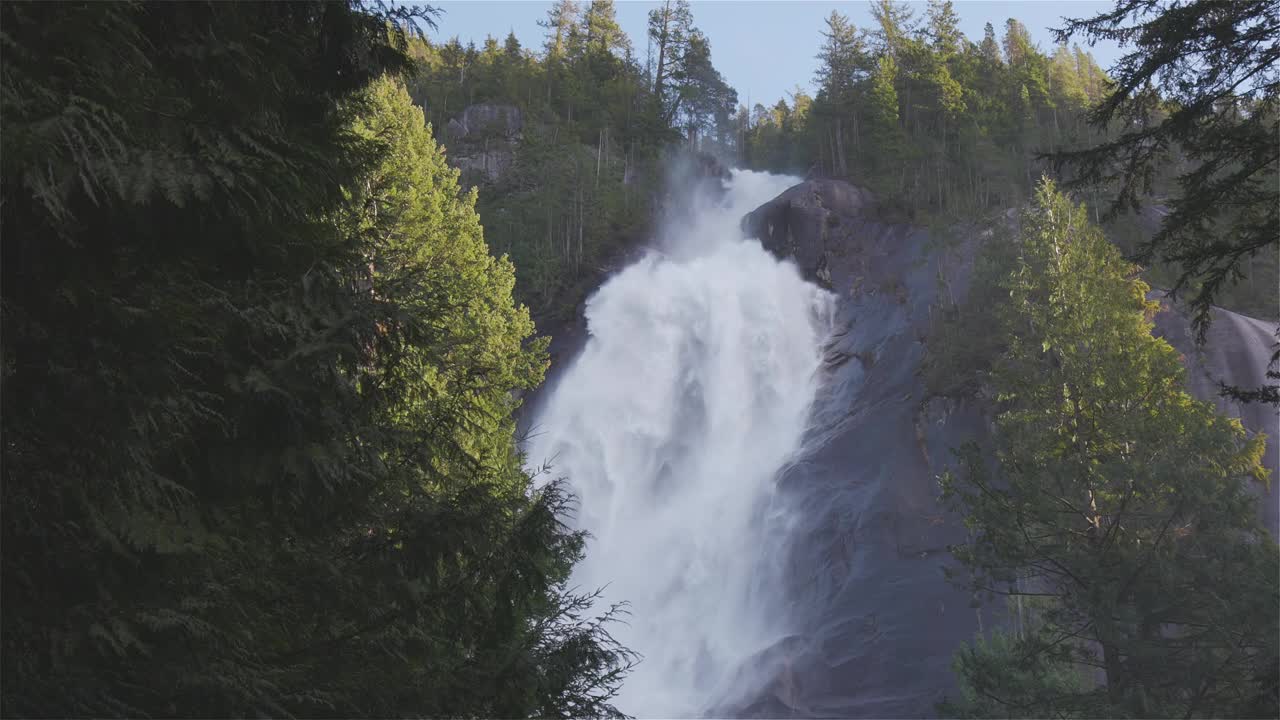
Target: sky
x=763 y=48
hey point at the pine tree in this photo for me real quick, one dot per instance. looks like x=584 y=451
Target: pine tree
x=990 y=49
x=670 y=27
x=702 y=95
x=944 y=28
x=883 y=112
x=843 y=67
x=842 y=59
x=895 y=22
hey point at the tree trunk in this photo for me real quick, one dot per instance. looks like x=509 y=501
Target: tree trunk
x=662 y=52
x=840 y=153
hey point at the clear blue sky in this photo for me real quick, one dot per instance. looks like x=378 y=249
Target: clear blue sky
x=762 y=47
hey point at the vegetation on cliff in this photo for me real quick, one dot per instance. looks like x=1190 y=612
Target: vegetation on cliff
x=586 y=177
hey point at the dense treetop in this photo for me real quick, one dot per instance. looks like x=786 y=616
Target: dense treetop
x=950 y=129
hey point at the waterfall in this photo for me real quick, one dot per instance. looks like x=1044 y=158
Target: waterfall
x=692 y=391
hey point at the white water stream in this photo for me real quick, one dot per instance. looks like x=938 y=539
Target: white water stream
x=692 y=391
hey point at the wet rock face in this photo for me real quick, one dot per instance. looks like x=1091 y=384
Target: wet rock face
x=1236 y=352
x=482 y=141
x=874 y=622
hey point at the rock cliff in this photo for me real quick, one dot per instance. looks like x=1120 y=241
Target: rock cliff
x=877 y=622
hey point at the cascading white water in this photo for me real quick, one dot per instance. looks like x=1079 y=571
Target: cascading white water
x=692 y=391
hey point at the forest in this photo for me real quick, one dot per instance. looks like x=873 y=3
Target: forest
x=271 y=302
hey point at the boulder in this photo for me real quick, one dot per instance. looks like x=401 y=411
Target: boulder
x=811 y=223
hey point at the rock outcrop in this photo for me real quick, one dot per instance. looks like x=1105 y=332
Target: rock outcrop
x=482 y=141
x=809 y=223
x=875 y=623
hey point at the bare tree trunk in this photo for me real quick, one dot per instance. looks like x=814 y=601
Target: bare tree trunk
x=843 y=156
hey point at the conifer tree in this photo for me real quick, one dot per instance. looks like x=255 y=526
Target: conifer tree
x=561 y=25
x=843 y=65
x=670 y=27
x=1202 y=80
x=602 y=31
x=257 y=381
x=990 y=49
x=943 y=27
x=1116 y=512
x=895 y=22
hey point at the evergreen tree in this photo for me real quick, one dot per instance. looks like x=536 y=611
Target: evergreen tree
x=1116 y=513
x=704 y=98
x=842 y=59
x=843 y=66
x=257 y=380
x=511 y=46
x=561 y=25
x=670 y=27
x=968 y=124
x=990 y=49
x=883 y=111
x=944 y=28
x=601 y=29
x=1216 y=69
x=895 y=21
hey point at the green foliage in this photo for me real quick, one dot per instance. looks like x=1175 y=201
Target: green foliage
x=1199 y=91
x=584 y=179
x=956 y=130
x=920 y=113
x=1009 y=675
x=1116 y=502
x=258 y=369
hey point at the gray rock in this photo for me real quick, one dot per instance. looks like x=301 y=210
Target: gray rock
x=810 y=223
x=455 y=131
x=490 y=120
x=1236 y=352
x=482 y=141
x=876 y=620
x=484 y=165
